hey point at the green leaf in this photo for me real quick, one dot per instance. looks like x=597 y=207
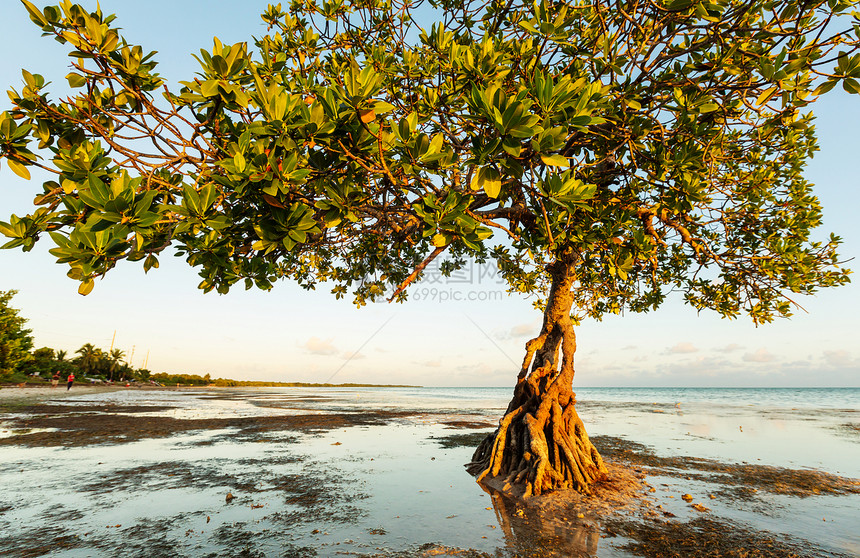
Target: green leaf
x=412 y=121
x=150 y=262
x=86 y=286
x=521 y=132
x=239 y=161
x=766 y=95
x=440 y=240
x=7 y=125
x=28 y=78
x=825 y=87
x=209 y=88
x=436 y=144
x=489 y=179
x=9 y=230
x=555 y=160
x=76 y=80
x=35 y=14
x=381 y=107
x=527 y=25
x=679 y=5
x=851 y=86
x=513 y=148
x=19 y=169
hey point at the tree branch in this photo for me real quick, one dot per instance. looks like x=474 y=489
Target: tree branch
x=418 y=269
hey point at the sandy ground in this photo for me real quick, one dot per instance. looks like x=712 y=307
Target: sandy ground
x=42 y=393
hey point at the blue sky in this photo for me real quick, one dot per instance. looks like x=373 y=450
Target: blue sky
x=464 y=332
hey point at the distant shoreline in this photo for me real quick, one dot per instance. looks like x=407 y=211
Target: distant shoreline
x=14 y=391
x=251 y=383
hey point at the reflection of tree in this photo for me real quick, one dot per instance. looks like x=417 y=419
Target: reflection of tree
x=533 y=530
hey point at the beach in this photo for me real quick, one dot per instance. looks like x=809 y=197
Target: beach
x=379 y=472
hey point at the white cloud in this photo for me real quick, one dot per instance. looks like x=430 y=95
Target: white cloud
x=797 y=364
x=346 y=355
x=839 y=357
x=699 y=366
x=317 y=346
x=436 y=363
x=528 y=329
x=682 y=348
x=484 y=370
x=730 y=348
x=761 y=355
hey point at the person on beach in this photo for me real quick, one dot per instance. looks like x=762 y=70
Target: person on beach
x=71 y=380
x=55 y=379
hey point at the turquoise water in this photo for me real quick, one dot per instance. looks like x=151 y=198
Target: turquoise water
x=498 y=397
x=756 y=425
x=826 y=398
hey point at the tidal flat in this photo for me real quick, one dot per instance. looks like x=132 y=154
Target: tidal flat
x=378 y=472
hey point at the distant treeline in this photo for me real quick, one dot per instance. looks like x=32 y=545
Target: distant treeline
x=195 y=380
x=21 y=364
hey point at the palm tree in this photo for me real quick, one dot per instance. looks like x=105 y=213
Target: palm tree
x=89 y=357
x=115 y=356
x=61 y=356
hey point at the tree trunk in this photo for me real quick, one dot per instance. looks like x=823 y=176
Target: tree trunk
x=541 y=443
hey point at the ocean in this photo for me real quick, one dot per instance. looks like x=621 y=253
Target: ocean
x=498 y=397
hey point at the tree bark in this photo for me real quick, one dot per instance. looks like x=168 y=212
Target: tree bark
x=541 y=443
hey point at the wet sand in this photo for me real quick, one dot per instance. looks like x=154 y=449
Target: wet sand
x=239 y=472
x=31 y=393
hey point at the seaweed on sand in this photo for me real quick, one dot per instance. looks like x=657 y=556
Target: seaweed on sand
x=471 y=440
x=39 y=542
x=743 y=476
x=107 y=427
x=168 y=474
x=705 y=537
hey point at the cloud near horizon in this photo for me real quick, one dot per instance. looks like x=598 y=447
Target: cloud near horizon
x=761 y=355
x=839 y=358
x=525 y=329
x=317 y=346
x=435 y=363
x=346 y=355
x=682 y=348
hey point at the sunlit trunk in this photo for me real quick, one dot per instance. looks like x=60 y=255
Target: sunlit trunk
x=541 y=443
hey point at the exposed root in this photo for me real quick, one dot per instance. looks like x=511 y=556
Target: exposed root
x=541 y=444
x=538 y=447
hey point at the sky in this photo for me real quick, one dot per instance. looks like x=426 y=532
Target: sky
x=462 y=331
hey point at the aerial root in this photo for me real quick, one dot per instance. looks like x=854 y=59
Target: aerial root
x=540 y=446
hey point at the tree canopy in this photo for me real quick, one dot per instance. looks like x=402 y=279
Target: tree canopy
x=15 y=340
x=658 y=144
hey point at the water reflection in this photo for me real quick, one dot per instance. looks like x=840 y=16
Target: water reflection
x=537 y=531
